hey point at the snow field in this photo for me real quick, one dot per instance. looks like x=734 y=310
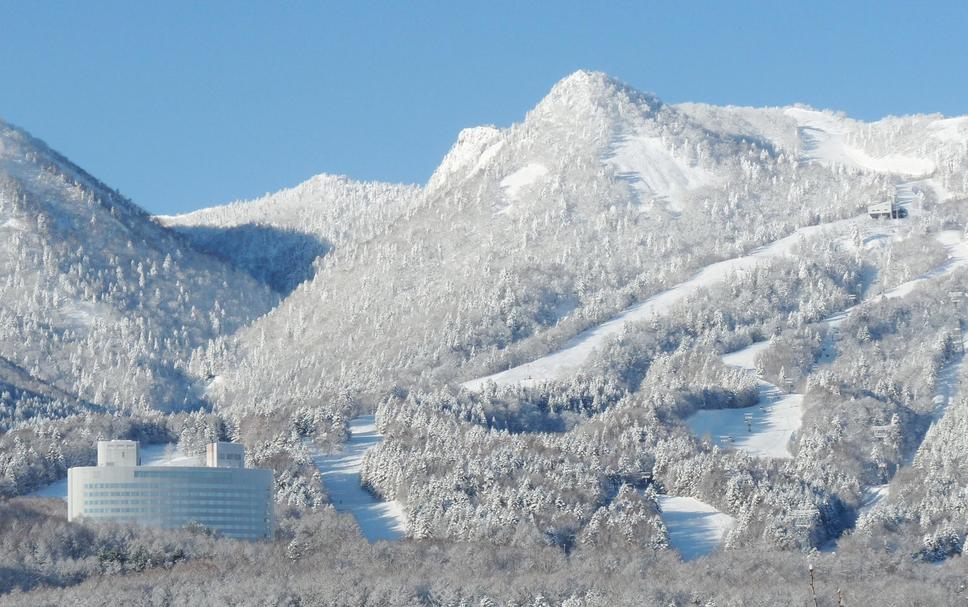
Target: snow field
x=822 y=135
x=653 y=172
x=522 y=178
x=695 y=528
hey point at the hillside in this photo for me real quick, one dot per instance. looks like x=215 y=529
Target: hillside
x=525 y=236
x=278 y=238
x=97 y=301
x=613 y=338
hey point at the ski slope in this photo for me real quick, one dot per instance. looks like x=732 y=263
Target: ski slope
x=341 y=475
x=774 y=418
x=655 y=175
x=947 y=388
x=823 y=137
x=777 y=415
x=948 y=383
x=957 y=248
x=577 y=350
x=695 y=528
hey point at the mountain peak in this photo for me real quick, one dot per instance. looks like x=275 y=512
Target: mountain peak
x=586 y=90
x=468 y=151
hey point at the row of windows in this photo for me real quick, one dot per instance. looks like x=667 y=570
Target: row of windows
x=240 y=510
x=225 y=475
x=140 y=484
x=180 y=492
x=137 y=515
x=176 y=506
x=231 y=528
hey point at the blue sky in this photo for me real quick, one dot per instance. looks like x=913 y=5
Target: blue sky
x=183 y=105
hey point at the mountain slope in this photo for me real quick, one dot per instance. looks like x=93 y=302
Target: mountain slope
x=96 y=299
x=277 y=238
x=525 y=236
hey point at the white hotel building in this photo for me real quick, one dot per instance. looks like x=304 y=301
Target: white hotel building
x=224 y=495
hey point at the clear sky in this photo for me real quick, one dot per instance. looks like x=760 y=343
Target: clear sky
x=184 y=105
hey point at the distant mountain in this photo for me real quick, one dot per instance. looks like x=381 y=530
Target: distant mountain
x=278 y=238
x=616 y=328
x=99 y=302
x=524 y=236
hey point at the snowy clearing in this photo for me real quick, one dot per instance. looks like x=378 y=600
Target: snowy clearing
x=948 y=384
x=952 y=130
x=774 y=418
x=82 y=314
x=653 y=172
x=14 y=224
x=822 y=136
x=341 y=474
x=947 y=389
x=578 y=349
x=695 y=527
x=872 y=497
x=523 y=177
x=777 y=415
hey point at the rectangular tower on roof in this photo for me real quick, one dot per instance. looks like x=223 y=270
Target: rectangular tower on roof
x=224 y=455
x=118 y=453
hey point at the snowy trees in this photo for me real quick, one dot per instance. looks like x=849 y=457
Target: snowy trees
x=393 y=294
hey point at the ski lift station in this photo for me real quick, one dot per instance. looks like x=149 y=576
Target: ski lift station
x=886 y=210
x=223 y=495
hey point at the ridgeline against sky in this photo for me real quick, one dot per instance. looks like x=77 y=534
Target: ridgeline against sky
x=182 y=107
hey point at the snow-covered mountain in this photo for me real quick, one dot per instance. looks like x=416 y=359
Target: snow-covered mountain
x=524 y=236
x=278 y=237
x=617 y=326
x=98 y=302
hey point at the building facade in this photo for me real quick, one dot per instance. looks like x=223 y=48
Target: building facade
x=224 y=495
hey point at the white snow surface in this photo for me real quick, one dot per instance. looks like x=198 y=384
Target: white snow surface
x=576 y=352
x=653 y=172
x=695 y=527
x=13 y=224
x=776 y=415
x=948 y=383
x=475 y=147
x=83 y=314
x=950 y=130
x=872 y=497
x=527 y=175
x=823 y=138
x=378 y=520
x=151 y=455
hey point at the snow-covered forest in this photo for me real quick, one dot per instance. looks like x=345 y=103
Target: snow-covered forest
x=579 y=328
